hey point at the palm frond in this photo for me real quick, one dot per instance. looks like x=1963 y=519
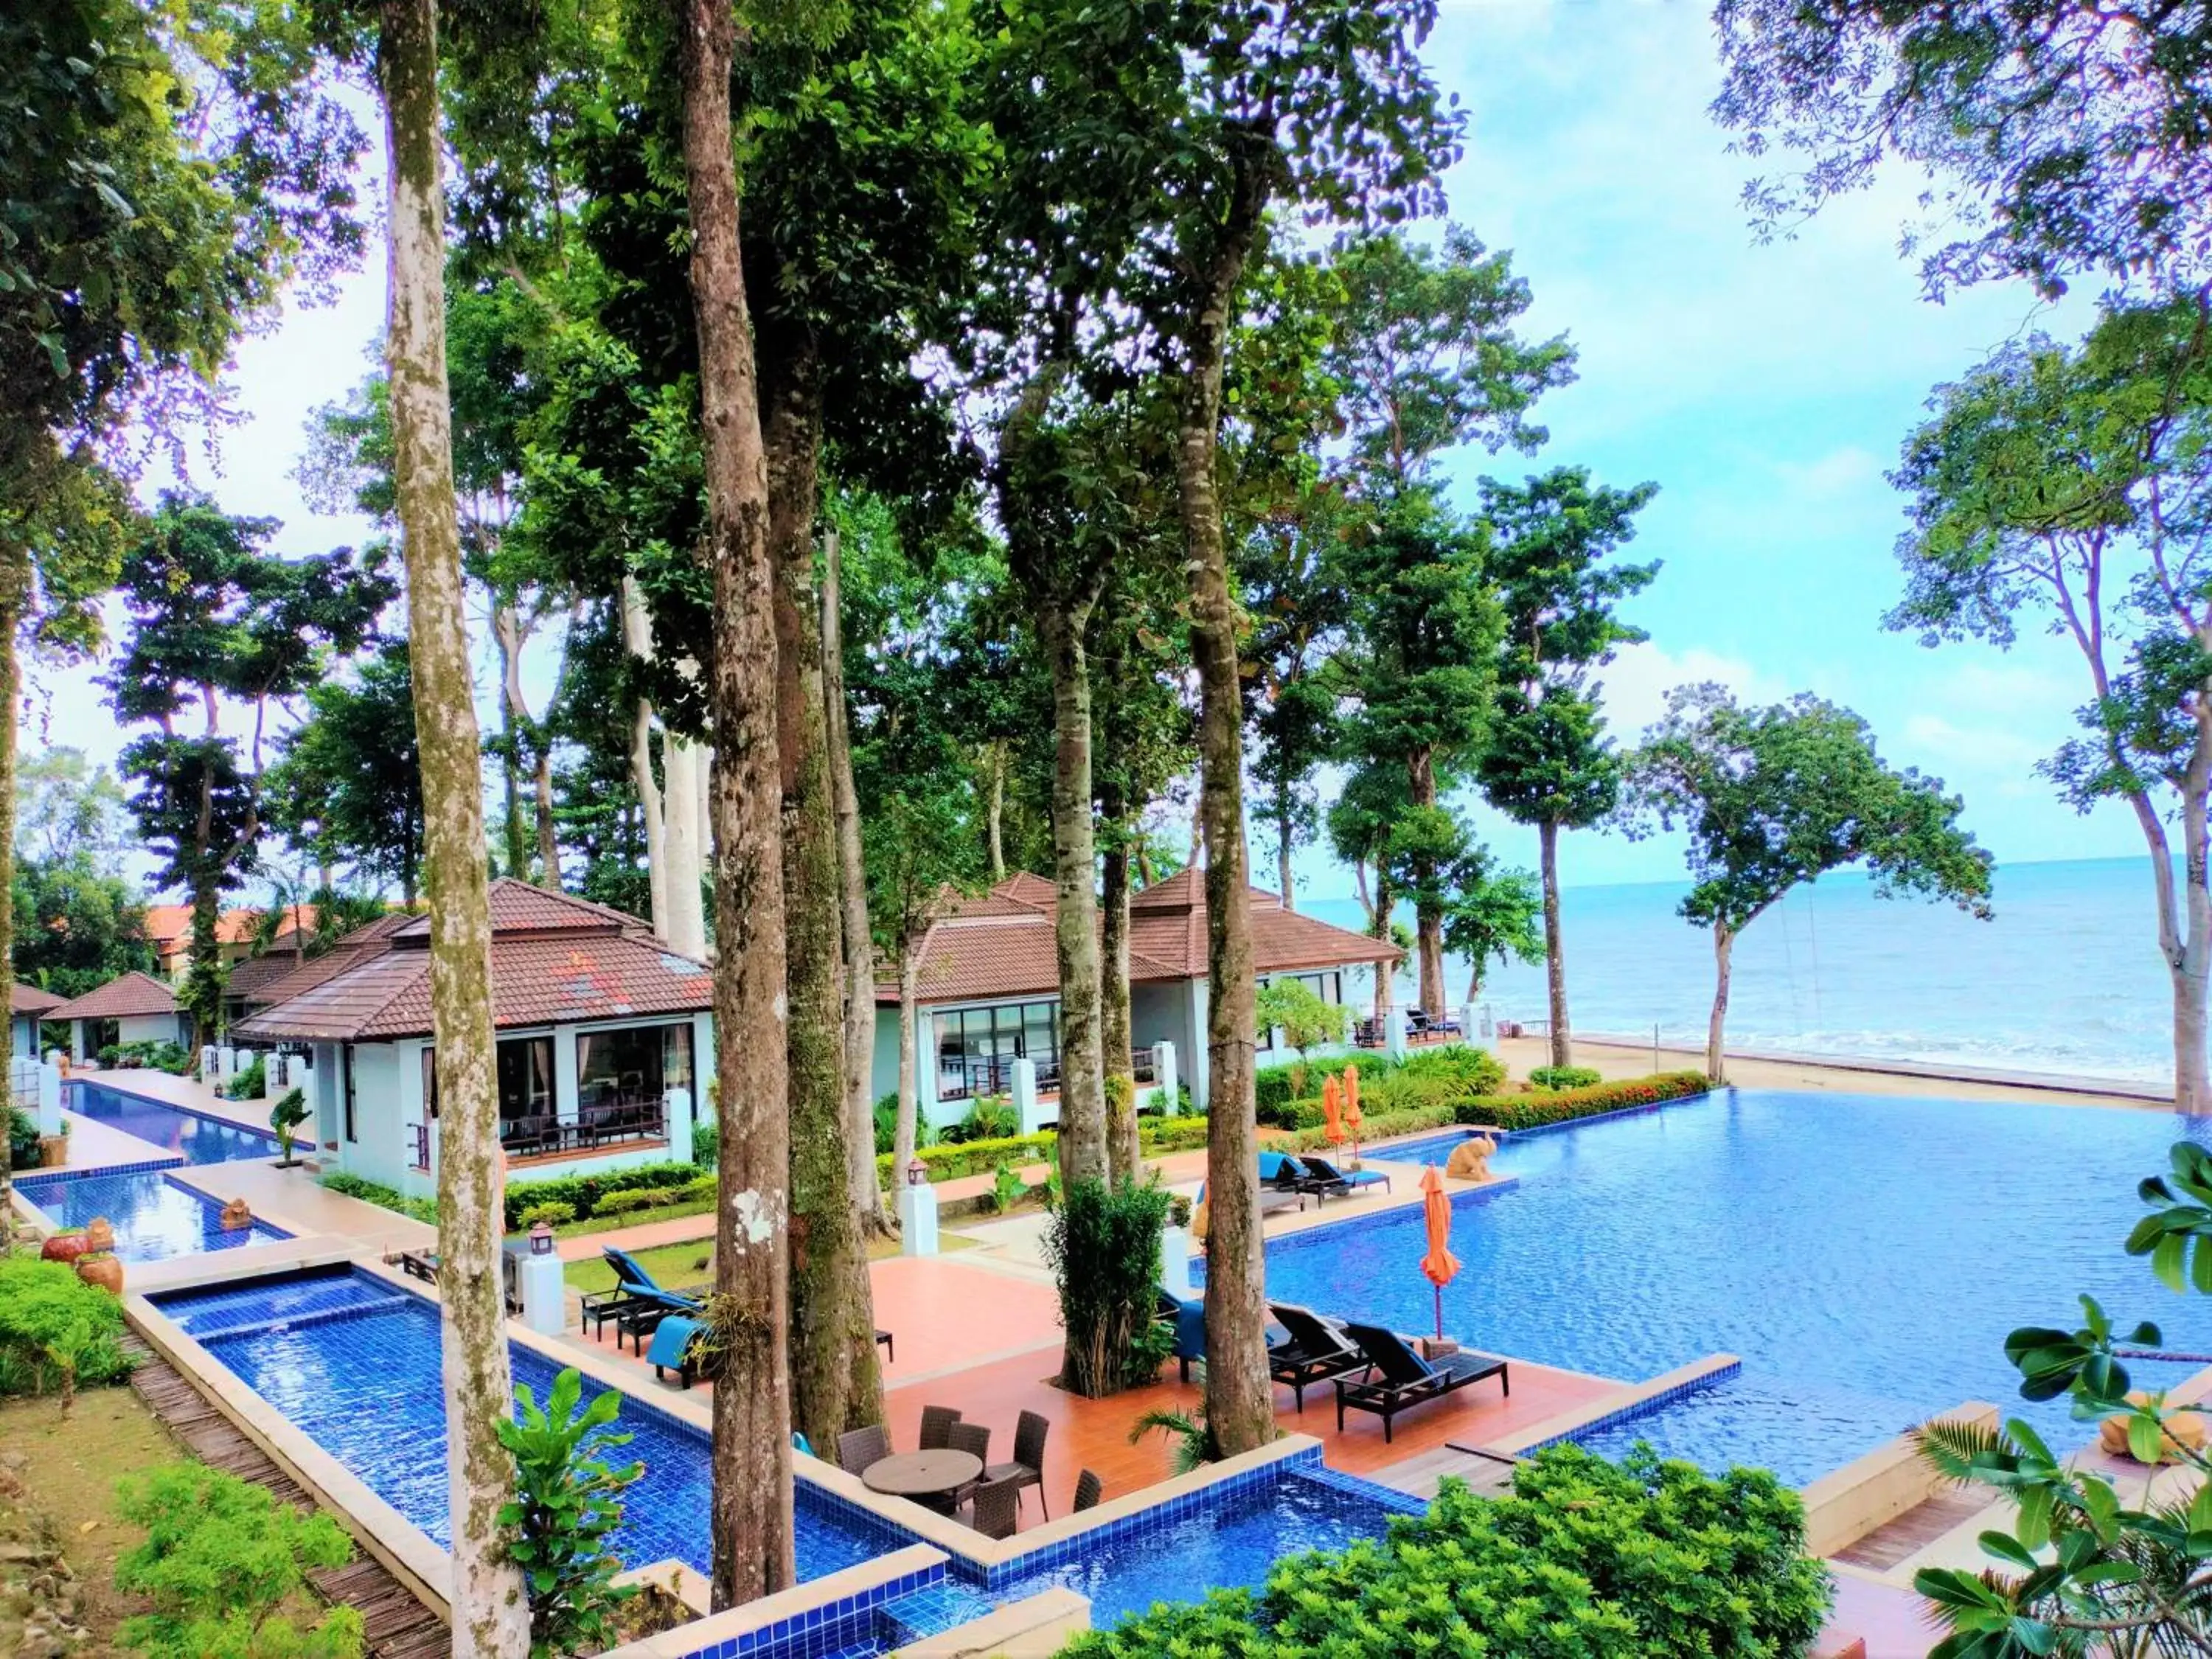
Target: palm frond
x=1958 y=1450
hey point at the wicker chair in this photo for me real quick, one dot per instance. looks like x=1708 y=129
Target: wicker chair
x=1089 y=1489
x=937 y=1423
x=974 y=1438
x=858 y=1448
x=1027 y=1468
x=997 y=1509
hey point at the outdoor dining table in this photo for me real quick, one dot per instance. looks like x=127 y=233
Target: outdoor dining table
x=922 y=1475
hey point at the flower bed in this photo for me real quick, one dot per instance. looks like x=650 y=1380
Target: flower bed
x=1532 y=1111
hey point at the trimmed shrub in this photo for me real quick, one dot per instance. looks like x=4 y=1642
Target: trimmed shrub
x=1104 y=1248
x=247 y=1084
x=553 y=1215
x=1290 y=1115
x=375 y=1192
x=950 y=1160
x=990 y=1117
x=1479 y=1070
x=585 y=1194
x=1565 y=1077
x=1171 y=1134
x=55 y=1331
x=1272 y=1084
x=1375 y=1126
x=1532 y=1111
x=1584 y=1560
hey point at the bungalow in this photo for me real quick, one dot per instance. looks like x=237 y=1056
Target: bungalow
x=988 y=986
x=29 y=1005
x=169 y=930
x=136 y=1008
x=601 y=1033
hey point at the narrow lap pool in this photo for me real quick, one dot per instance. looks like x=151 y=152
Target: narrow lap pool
x=194 y=1137
x=154 y=1217
x=1865 y=1256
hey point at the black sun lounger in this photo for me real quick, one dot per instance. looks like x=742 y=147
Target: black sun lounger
x=1396 y=1378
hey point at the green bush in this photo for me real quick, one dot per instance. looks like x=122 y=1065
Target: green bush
x=22 y=1140
x=1290 y=1115
x=1533 y=1111
x=1584 y=1560
x=1272 y=1085
x=950 y=1160
x=110 y=1054
x=1479 y=1070
x=1171 y=1134
x=285 y=1117
x=221 y=1559
x=990 y=1117
x=55 y=1331
x=1565 y=1077
x=249 y=1083
x=553 y=1213
x=389 y=1198
x=706 y=1143
x=584 y=1194
x=566 y=1508
x=1375 y=1126
x=1104 y=1248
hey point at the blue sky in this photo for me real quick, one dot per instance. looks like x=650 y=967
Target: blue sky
x=1765 y=389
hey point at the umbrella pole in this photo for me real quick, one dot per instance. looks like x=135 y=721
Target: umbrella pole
x=1440 y=1312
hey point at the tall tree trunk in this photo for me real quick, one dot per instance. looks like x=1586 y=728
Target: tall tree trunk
x=1240 y=1403
x=1428 y=917
x=507 y=634
x=1124 y=1158
x=1715 y=1051
x=910 y=1068
x=996 y=814
x=858 y=938
x=752 y=1501
x=2184 y=925
x=834 y=1383
x=684 y=766
x=1386 y=968
x=548 y=844
x=1555 y=950
x=1075 y=916
x=490 y=1614
x=637 y=640
x=1284 y=832
x=14 y=590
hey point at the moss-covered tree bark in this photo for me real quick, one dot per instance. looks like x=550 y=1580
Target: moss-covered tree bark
x=490 y=1616
x=1123 y=1157
x=14 y=589
x=752 y=1501
x=1075 y=925
x=834 y=1382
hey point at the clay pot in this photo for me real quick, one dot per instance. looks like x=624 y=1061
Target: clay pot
x=99 y=1236
x=53 y=1151
x=103 y=1270
x=236 y=1215
x=2185 y=1430
x=64 y=1246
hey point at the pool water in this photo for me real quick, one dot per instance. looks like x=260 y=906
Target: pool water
x=354 y=1363
x=1429 y=1149
x=1864 y=1255
x=194 y=1137
x=154 y=1217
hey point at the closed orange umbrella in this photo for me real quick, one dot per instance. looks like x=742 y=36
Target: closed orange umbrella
x=1331 y=1113
x=1439 y=1266
x=1351 y=1119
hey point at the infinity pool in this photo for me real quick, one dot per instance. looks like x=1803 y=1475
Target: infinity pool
x=153 y=1216
x=192 y=1136
x=1864 y=1255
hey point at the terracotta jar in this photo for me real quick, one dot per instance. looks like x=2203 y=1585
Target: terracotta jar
x=99 y=1236
x=53 y=1151
x=236 y=1215
x=64 y=1246
x=103 y=1270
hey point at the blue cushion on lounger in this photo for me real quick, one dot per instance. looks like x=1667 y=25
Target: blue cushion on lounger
x=671 y=1341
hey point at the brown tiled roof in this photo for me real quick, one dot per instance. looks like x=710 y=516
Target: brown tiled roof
x=120 y=999
x=553 y=959
x=30 y=1000
x=370 y=939
x=1000 y=946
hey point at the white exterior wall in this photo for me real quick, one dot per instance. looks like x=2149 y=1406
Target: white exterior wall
x=376 y=1152
x=151 y=1028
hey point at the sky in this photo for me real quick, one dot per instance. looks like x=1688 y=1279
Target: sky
x=1765 y=388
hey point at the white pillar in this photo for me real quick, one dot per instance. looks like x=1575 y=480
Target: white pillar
x=684 y=765
x=1200 y=1089
x=1393 y=1033
x=676 y=1115
x=544 y=1294
x=1025 y=1096
x=226 y=1063
x=49 y=1099
x=917 y=1214
x=1468 y=1029
x=1175 y=1262
x=925 y=1068
x=1163 y=1069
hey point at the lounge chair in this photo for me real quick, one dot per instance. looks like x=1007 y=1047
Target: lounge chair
x=645 y=1301
x=1315 y=1351
x=1397 y=1378
x=1282 y=1181
x=673 y=1338
x=1189 y=1319
x=1324 y=1180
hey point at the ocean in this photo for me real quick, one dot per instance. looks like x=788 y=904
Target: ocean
x=2066 y=978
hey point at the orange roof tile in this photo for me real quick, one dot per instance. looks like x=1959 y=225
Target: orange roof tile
x=371 y=939
x=134 y=993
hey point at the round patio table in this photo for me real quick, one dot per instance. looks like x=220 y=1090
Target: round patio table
x=921 y=1474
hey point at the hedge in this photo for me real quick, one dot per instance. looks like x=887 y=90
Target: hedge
x=1532 y=1111
x=1171 y=1134
x=1271 y=1085
x=1582 y=1560
x=950 y=1161
x=376 y=1193
x=583 y=1193
x=1374 y=1126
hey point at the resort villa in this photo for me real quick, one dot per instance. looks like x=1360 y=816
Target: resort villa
x=601 y=1030
x=169 y=930
x=137 y=1007
x=989 y=990
x=28 y=1006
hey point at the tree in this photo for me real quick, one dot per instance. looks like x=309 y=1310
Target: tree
x=345 y=785
x=2072 y=486
x=1304 y=1017
x=66 y=808
x=1771 y=798
x=490 y=1612
x=215 y=619
x=1492 y=914
x=2057 y=139
x=1548 y=761
x=752 y=1509
x=76 y=925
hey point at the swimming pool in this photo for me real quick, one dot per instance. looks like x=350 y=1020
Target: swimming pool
x=154 y=1217
x=194 y=1137
x=1865 y=1255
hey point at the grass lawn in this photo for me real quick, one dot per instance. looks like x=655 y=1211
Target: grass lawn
x=692 y=1261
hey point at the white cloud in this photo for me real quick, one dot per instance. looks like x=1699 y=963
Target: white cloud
x=1980 y=748
x=1636 y=682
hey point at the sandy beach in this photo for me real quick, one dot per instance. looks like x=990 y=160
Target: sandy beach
x=1617 y=1058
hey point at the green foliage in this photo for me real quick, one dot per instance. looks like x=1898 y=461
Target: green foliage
x=1477 y=1070
x=56 y=1331
x=375 y=1192
x=1104 y=1248
x=1564 y=1076
x=1584 y=1560
x=1306 y=1019
x=1180 y=1134
x=22 y=1140
x=221 y=1559
x=566 y=1507
x=1192 y=1442
x=553 y=1215
x=250 y=1083
x=706 y=1143
x=1535 y=1111
x=989 y=1117
x=886 y=1115
x=1007 y=1188
x=2089 y=1564
x=950 y=1160
x=1491 y=914
x=77 y=926
x=285 y=1117
x=1271 y=1085
x=585 y=1193
x=345 y=787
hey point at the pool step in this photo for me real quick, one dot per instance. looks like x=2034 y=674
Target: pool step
x=300 y=1321
x=396 y=1625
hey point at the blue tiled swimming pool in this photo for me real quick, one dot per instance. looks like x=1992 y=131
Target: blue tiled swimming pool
x=154 y=1217
x=194 y=1137
x=1865 y=1256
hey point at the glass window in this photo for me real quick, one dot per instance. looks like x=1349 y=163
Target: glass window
x=430 y=1083
x=676 y=1057
x=623 y=1068
x=526 y=1086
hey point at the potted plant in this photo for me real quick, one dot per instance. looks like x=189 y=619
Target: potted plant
x=53 y=1150
x=99 y=1235
x=285 y=1117
x=64 y=1244
x=103 y=1268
